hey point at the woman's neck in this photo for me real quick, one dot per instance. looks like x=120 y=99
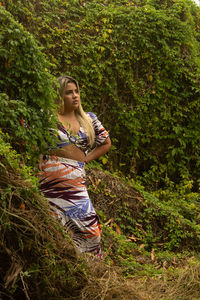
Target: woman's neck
x=69 y=113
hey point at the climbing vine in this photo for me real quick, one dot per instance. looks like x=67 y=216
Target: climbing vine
x=138 y=67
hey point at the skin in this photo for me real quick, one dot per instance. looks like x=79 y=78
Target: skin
x=71 y=99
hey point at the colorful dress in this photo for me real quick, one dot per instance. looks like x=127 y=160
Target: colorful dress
x=63 y=183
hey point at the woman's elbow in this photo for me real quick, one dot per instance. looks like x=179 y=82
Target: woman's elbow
x=108 y=143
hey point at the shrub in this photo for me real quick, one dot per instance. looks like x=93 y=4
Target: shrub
x=26 y=92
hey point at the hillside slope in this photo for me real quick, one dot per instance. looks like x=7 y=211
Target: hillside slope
x=39 y=261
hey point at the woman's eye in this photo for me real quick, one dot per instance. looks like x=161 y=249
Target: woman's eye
x=70 y=92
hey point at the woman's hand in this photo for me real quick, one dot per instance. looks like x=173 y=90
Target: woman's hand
x=98 y=151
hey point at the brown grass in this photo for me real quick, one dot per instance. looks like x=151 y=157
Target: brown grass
x=182 y=283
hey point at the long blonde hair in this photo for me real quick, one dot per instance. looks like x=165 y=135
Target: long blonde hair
x=82 y=117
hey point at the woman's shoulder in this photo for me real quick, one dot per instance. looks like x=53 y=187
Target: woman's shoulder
x=91 y=115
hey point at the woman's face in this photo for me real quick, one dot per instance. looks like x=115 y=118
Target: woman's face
x=71 y=97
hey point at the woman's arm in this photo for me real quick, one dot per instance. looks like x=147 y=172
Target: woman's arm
x=98 y=151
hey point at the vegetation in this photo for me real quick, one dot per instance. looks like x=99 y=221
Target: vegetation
x=139 y=61
x=26 y=90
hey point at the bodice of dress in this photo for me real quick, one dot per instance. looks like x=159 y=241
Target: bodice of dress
x=80 y=139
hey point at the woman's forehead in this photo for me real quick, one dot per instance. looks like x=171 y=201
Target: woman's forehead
x=70 y=85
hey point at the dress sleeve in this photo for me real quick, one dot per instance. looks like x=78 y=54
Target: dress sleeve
x=101 y=134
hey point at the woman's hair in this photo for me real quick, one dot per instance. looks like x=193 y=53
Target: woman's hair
x=82 y=117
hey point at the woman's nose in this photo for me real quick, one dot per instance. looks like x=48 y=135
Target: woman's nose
x=75 y=94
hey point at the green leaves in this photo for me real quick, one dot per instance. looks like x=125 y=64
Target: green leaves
x=26 y=90
x=138 y=62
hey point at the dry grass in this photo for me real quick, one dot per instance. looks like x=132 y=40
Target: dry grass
x=182 y=283
x=106 y=283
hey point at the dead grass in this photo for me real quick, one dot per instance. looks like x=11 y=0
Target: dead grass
x=182 y=283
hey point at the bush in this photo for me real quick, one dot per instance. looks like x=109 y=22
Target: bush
x=26 y=93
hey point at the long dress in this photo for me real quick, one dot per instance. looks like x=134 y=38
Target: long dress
x=63 y=183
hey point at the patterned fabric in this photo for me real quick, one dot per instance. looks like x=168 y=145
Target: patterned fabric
x=62 y=182
x=80 y=140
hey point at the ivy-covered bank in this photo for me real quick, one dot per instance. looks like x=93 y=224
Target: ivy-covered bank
x=137 y=60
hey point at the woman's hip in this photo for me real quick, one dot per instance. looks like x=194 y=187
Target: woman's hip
x=57 y=169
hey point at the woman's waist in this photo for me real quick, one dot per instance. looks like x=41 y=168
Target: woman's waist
x=58 y=159
x=69 y=152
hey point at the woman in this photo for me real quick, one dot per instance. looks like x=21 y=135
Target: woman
x=62 y=176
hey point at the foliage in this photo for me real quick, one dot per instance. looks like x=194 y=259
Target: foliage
x=27 y=94
x=137 y=223
x=141 y=62
x=167 y=220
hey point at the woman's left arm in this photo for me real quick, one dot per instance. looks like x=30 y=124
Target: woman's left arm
x=98 y=151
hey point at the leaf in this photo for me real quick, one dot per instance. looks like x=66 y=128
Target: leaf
x=152 y=255
x=93 y=183
x=104 y=160
x=108 y=222
x=22 y=206
x=118 y=230
x=141 y=247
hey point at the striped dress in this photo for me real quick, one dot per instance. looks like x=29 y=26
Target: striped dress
x=63 y=183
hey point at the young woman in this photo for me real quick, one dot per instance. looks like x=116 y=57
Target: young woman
x=62 y=176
